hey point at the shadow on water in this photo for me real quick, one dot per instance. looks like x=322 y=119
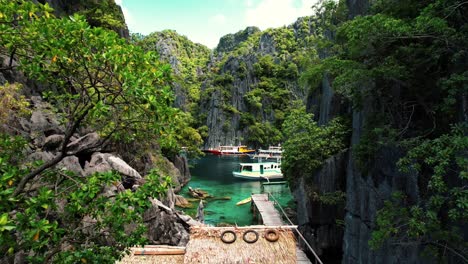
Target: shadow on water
x=214 y=174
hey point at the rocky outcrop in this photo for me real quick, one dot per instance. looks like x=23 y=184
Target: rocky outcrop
x=187 y=60
x=69 y=7
x=87 y=143
x=230 y=41
x=253 y=78
x=165 y=227
x=365 y=195
x=84 y=158
x=317 y=221
x=216 y=116
x=72 y=164
x=181 y=164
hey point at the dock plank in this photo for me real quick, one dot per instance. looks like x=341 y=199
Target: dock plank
x=301 y=257
x=271 y=217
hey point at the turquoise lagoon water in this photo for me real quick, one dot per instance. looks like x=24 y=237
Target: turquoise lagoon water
x=214 y=174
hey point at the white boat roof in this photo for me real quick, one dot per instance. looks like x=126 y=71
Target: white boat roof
x=258 y=163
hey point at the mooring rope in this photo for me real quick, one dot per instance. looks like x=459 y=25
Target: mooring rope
x=299 y=233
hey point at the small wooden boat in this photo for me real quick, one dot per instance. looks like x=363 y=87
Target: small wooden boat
x=246 y=200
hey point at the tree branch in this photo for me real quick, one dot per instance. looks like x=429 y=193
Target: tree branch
x=63 y=153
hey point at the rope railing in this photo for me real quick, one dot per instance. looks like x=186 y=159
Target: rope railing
x=297 y=230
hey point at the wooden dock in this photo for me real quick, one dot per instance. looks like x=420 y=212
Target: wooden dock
x=268 y=215
x=265 y=213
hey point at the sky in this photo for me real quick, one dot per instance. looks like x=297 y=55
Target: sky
x=206 y=21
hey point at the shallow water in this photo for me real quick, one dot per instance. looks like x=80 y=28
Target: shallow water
x=214 y=174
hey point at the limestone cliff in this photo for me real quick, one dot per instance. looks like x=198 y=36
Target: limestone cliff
x=105 y=14
x=253 y=78
x=188 y=62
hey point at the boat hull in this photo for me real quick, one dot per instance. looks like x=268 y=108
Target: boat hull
x=256 y=176
x=212 y=151
x=229 y=150
x=246 y=200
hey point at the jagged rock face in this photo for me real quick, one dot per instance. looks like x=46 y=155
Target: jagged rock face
x=317 y=221
x=165 y=228
x=181 y=164
x=237 y=55
x=216 y=116
x=187 y=60
x=365 y=194
x=231 y=41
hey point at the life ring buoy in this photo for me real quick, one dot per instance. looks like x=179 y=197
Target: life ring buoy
x=228 y=241
x=271 y=235
x=251 y=240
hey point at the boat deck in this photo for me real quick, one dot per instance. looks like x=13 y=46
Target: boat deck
x=271 y=217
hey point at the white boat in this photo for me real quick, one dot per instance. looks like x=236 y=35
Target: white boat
x=230 y=150
x=272 y=152
x=259 y=171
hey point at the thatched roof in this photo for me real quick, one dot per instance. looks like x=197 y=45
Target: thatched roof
x=154 y=255
x=205 y=246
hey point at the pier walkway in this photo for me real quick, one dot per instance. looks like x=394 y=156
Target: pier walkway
x=264 y=212
x=269 y=216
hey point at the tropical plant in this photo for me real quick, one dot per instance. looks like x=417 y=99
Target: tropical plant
x=307 y=144
x=96 y=81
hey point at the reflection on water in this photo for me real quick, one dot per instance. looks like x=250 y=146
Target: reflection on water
x=214 y=175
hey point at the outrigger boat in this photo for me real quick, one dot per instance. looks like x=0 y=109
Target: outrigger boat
x=259 y=171
x=230 y=150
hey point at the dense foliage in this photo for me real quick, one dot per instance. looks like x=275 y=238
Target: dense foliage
x=96 y=81
x=188 y=62
x=404 y=66
x=67 y=219
x=308 y=145
x=265 y=66
x=437 y=220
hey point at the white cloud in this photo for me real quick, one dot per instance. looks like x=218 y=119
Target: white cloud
x=249 y=3
x=211 y=41
x=128 y=16
x=218 y=19
x=276 y=13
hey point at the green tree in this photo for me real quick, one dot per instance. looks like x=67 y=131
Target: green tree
x=437 y=219
x=308 y=145
x=406 y=61
x=98 y=81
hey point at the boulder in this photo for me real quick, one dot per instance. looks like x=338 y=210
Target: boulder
x=112 y=190
x=163 y=166
x=198 y=193
x=165 y=227
x=122 y=167
x=98 y=163
x=42 y=118
x=71 y=163
x=181 y=164
x=189 y=220
x=88 y=142
x=52 y=142
x=181 y=201
x=40 y=155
